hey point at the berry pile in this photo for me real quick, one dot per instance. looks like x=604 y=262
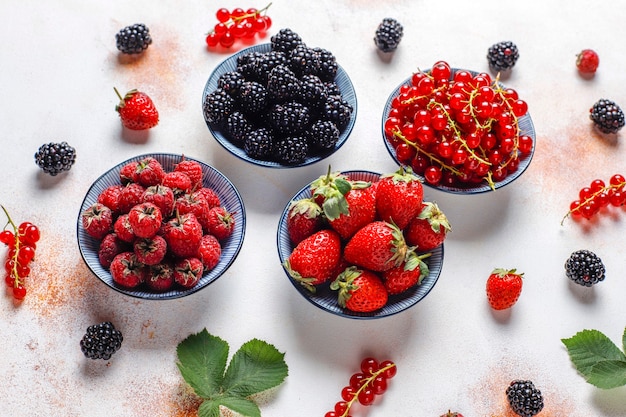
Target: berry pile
x=457 y=128
x=237 y=24
x=367 y=239
x=21 y=242
x=54 y=158
x=156 y=228
x=133 y=39
x=364 y=386
x=524 y=398
x=598 y=195
x=282 y=105
x=101 y=341
x=607 y=116
x=585 y=268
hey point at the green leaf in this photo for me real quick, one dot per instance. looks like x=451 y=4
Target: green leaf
x=209 y=408
x=242 y=406
x=608 y=374
x=255 y=367
x=624 y=340
x=202 y=361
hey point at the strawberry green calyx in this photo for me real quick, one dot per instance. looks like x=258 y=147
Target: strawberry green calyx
x=306 y=282
x=502 y=272
x=403 y=174
x=344 y=284
x=122 y=102
x=417 y=261
x=332 y=188
x=436 y=218
x=400 y=248
x=307 y=207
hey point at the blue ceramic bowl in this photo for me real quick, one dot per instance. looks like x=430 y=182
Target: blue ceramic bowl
x=326 y=299
x=212 y=178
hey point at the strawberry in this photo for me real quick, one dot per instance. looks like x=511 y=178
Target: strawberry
x=361 y=204
x=161 y=196
x=378 y=246
x=127 y=271
x=220 y=222
x=110 y=197
x=187 y=272
x=128 y=173
x=150 y=172
x=193 y=170
x=329 y=189
x=136 y=110
x=360 y=290
x=151 y=250
x=183 y=234
x=179 y=182
x=503 y=288
x=145 y=219
x=160 y=277
x=97 y=220
x=304 y=218
x=315 y=259
x=406 y=275
x=109 y=248
x=452 y=414
x=209 y=252
x=130 y=196
x=123 y=229
x=428 y=229
x=399 y=197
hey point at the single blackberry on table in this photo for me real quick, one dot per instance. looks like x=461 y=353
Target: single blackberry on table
x=607 y=116
x=101 y=341
x=252 y=97
x=237 y=127
x=290 y=118
x=585 y=268
x=326 y=64
x=133 y=39
x=337 y=110
x=303 y=60
x=282 y=84
x=259 y=144
x=388 y=35
x=291 y=150
x=323 y=135
x=525 y=400
x=55 y=158
x=231 y=82
x=502 y=55
x=312 y=91
x=217 y=105
x=285 y=40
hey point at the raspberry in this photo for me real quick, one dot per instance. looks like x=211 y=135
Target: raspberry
x=193 y=170
x=587 y=61
x=133 y=39
x=127 y=271
x=123 y=230
x=161 y=196
x=101 y=341
x=524 y=398
x=209 y=252
x=110 y=247
x=285 y=40
x=188 y=271
x=585 y=268
x=150 y=172
x=502 y=56
x=55 y=158
x=607 y=116
x=161 y=277
x=110 y=197
x=150 y=251
x=178 y=182
x=388 y=35
x=210 y=196
x=183 y=234
x=97 y=220
x=145 y=219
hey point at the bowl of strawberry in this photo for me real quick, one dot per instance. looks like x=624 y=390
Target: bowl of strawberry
x=160 y=226
x=459 y=130
x=362 y=245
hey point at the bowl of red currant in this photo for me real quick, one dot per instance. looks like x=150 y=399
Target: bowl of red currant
x=461 y=131
x=160 y=226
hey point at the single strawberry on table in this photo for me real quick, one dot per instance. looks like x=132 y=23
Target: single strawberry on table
x=378 y=246
x=304 y=217
x=428 y=229
x=399 y=197
x=360 y=290
x=504 y=287
x=136 y=110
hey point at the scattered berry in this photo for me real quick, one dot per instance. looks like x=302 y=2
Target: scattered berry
x=237 y=25
x=101 y=341
x=607 y=116
x=55 y=158
x=503 y=288
x=525 y=400
x=587 y=61
x=585 y=268
x=452 y=414
x=133 y=39
x=598 y=195
x=388 y=35
x=136 y=110
x=502 y=56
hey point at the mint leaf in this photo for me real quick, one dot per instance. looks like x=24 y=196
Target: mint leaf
x=255 y=367
x=608 y=374
x=243 y=406
x=202 y=361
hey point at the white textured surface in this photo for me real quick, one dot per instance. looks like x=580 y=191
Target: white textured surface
x=59 y=66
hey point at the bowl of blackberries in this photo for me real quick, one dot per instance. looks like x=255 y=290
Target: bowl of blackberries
x=461 y=131
x=280 y=104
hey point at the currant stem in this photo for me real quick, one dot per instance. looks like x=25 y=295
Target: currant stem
x=16 y=278
x=364 y=385
x=233 y=20
x=591 y=197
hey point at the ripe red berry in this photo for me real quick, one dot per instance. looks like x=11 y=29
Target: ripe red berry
x=587 y=61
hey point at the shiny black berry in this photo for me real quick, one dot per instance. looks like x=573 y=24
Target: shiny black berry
x=525 y=400
x=326 y=64
x=323 y=135
x=291 y=150
x=290 y=118
x=607 y=116
x=337 y=110
x=388 y=35
x=217 y=106
x=285 y=40
x=133 y=39
x=585 y=268
x=282 y=84
x=101 y=341
x=502 y=56
x=55 y=158
x=259 y=144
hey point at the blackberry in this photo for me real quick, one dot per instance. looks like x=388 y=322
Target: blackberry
x=607 y=116
x=217 y=106
x=290 y=118
x=291 y=150
x=238 y=127
x=259 y=144
x=303 y=60
x=332 y=88
x=326 y=64
x=323 y=135
x=584 y=268
x=252 y=97
x=312 y=91
x=101 y=341
x=337 y=110
x=388 y=35
x=502 y=55
x=259 y=68
x=55 y=158
x=282 y=84
x=285 y=40
x=133 y=39
x=230 y=82
x=525 y=400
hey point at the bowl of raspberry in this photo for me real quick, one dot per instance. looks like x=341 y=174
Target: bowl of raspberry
x=281 y=104
x=461 y=131
x=160 y=226
x=375 y=257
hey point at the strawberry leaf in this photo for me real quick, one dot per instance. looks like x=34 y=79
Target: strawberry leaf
x=242 y=406
x=209 y=408
x=608 y=374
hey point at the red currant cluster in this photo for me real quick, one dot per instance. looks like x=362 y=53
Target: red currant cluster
x=21 y=242
x=597 y=196
x=237 y=24
x=457 y=128
x=364 y=386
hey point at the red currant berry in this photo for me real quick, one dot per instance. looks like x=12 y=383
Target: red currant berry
x=357 y=380
x=369 y=366
x=366 y=397
x=587 y=61
x=237 y=12
x=8 y=279
x=462 y=76
x=212 y=40
x=525 y=144
x=617 y=198
x=7 y=237
x=330 y=414
x=597 y=185
x=227 y=40
x=347 y=393
x=405 y=152
x=25 y=255
x=379 y=385
x=222 y=15
x=441 y=71
x=341 y=407
x=268 y=22
x=432 y=174
x=220 y=28
x=19 y=292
